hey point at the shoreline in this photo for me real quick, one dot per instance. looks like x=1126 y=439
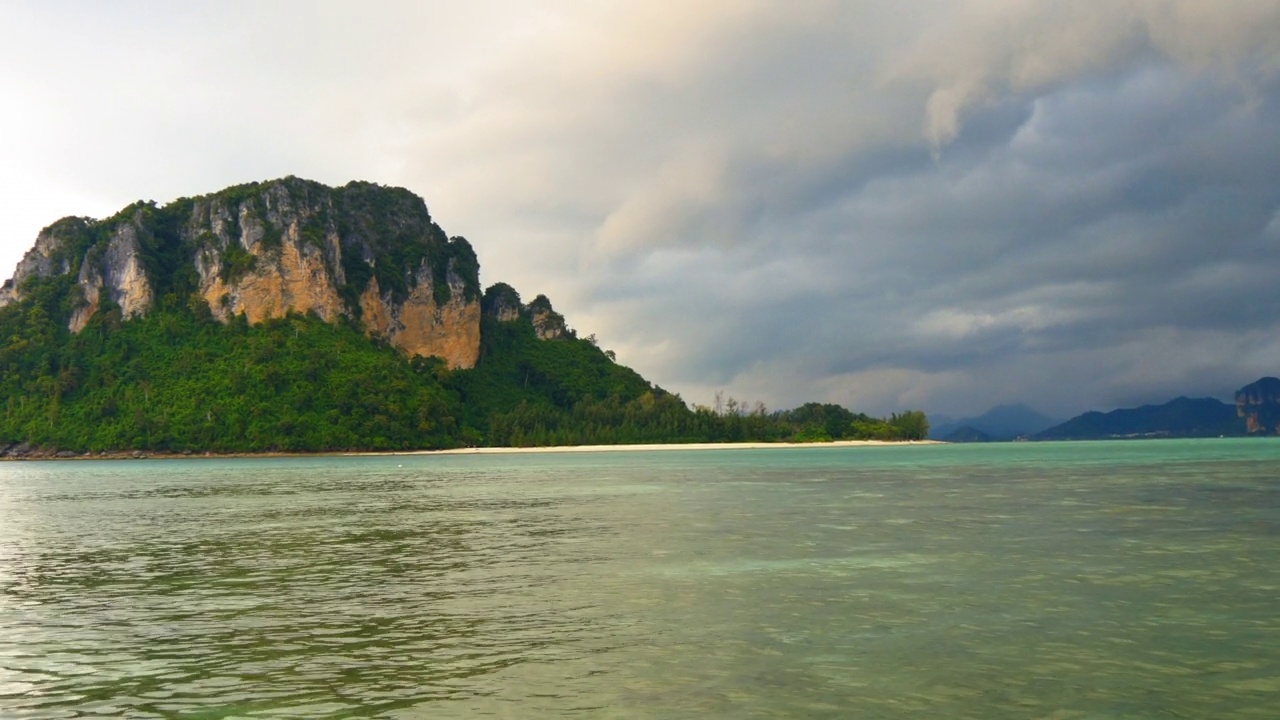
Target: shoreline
x=663 y=447
x=654 y=447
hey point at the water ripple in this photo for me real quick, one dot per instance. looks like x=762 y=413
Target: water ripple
x=899 y=583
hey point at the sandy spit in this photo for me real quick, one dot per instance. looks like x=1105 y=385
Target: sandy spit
x=673 y=446
x=153 y=455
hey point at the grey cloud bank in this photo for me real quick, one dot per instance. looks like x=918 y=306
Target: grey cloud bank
x=897 y=205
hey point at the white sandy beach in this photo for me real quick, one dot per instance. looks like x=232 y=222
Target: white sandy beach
x=148 y=455
x=674 y=446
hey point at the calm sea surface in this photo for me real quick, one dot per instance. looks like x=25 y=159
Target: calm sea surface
x=1073 y=580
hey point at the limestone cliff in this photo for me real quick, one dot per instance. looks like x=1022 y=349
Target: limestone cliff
x=105 y=263
x=547 y=323
x=363 y=252
x=1259 y=404
x=50 y=256
x=502 y=303
x=117 y=272
x=422 y=326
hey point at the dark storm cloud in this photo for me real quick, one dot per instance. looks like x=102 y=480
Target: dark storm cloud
x=1136 y=207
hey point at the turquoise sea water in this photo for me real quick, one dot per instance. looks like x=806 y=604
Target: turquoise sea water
x=1072 y=580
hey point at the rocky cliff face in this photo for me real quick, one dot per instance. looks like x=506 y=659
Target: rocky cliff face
x=1259 y=404
x=117 y=272
x=48 y=256
x=502 y=303
x=547 y=323
x=106 y=269
x=263 y=250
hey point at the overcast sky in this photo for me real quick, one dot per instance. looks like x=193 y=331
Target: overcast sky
x=904 y=204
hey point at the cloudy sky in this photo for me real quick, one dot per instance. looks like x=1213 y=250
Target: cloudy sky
x=942 y=204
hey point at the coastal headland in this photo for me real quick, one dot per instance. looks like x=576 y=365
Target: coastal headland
x=292 y=317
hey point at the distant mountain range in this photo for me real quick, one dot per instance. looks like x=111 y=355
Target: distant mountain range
x=1181 y=417
x=1256 y=412
x=1002 y=422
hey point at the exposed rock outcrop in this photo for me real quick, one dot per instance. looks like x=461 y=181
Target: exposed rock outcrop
x=50 y=256
x=421 y=326
x=502 y=302
x=1259 y=404
x=264 y=250
x=547 y=323
x=116 y=271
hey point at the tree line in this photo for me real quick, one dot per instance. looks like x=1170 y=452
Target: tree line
x=177 y=380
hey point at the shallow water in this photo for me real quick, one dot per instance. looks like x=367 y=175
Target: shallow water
x=1048 y=580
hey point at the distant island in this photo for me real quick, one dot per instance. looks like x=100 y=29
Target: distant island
x=1256 y=411
x=289 y=316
